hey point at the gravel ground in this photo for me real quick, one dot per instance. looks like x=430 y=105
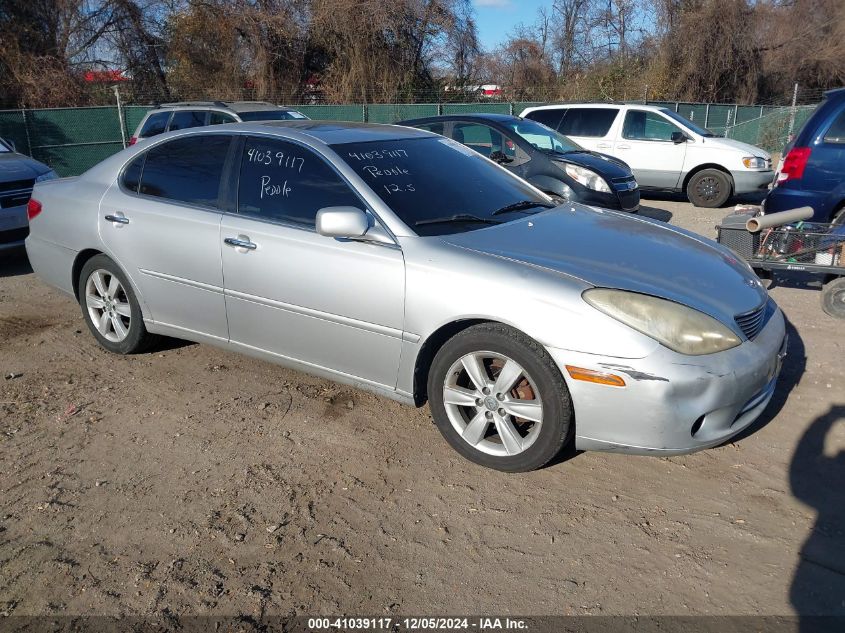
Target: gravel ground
x=191 y=480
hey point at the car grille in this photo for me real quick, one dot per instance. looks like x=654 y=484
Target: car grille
x=15 y=193
x=626 y=183
x=752 y=322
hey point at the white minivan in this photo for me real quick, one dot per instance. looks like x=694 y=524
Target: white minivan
x=665 y=151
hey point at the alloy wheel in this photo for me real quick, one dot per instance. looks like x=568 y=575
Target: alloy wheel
x=492 y=403
x=108 y=306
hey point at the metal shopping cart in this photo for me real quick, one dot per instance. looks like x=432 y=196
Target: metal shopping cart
x=769 y=244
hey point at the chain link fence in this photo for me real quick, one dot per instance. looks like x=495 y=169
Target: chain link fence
x=71 y=140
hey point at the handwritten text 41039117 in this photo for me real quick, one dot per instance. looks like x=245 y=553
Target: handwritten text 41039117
x=275 y=159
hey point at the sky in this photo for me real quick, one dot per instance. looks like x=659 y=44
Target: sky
x=496 y=18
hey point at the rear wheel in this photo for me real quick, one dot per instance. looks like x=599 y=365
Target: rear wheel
x=498 y=398
x=110 y=307
x=709 y=188
x=833 y=298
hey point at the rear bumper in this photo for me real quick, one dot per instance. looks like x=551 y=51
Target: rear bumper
x=672 y=403
x=784 y=199
x=751 y=181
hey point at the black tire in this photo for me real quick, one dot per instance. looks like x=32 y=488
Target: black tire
x=833 y=298
x=709 y=188
x=557 y=415
x=137 y=339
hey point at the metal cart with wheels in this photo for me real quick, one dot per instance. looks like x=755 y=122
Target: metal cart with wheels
x=804 y=246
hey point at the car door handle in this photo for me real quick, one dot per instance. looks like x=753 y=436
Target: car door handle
x=239 y=243
x=118 y=219
x=603 y=145
x=623 y=146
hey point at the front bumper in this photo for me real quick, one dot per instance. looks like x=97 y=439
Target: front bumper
x=675 y=404
x=14 y=227
x=751 y=181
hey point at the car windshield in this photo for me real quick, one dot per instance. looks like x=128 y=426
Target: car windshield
x=271 y=115
x=542 y=137
x=701 y=131
x=438 y=186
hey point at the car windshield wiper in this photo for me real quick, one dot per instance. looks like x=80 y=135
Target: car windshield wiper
x=458 y=217
x=523 y=205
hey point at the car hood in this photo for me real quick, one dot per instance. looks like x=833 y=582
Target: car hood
x=729 y=143
x=19 y=167
x=613 y=250
x=606 y=166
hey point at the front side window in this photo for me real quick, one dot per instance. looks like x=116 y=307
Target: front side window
x=437 y=186
x=284 y=182
x=483 y=139
x=590 y=122
x=647 y=126
x=836 y=131
x=155 y=124
x=187 y=169
x=184 y=119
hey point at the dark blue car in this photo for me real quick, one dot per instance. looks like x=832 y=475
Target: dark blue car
x=813 y=171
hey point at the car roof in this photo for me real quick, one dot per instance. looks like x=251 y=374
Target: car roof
x=329 y=132
x=595 y=104
x=472 y=116
x=233 y=106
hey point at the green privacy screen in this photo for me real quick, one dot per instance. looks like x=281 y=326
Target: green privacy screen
x=70 y=140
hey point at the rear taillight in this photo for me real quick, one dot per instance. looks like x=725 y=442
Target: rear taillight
x=133 y=140
x=33 y=208
x=794 y=164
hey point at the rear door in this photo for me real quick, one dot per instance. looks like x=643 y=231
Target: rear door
x=645 y=143
x=161 y=223
x=591 y=128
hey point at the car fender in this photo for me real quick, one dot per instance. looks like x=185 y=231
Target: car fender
x=547 y=183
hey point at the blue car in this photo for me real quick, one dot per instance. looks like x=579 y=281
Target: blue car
x=813 y=170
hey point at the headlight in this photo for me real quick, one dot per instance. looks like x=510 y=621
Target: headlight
x=586 y=177
x=754 y=162
x=47 y=175
x=678 y=327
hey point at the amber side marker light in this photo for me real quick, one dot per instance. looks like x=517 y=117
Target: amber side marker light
x=598 y=377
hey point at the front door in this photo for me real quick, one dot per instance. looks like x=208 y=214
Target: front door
x=325 y=302
x=645 y=143
x=162 y=217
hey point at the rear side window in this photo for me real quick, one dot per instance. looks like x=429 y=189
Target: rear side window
x=836 y=132
x=184 y=119
x=155 y=124
x=284 y=182
x=647 y=126
x=131 y=178
x=593 y=122
x=217 y=118
x=549 y=118
x=187 y=169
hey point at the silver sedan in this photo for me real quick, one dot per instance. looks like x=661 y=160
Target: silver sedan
x=401 y=262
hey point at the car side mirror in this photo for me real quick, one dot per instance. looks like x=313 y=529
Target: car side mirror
x=679 y=137
x=499 y=157
x=350 y=223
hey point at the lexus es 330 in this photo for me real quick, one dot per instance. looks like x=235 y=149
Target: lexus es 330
x=399 y=261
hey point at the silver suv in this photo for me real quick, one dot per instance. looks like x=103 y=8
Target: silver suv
x=186 y=114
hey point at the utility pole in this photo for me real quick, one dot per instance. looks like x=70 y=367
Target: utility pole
x=792 y=113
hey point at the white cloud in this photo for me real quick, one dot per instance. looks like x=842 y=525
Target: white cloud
x=495 y=4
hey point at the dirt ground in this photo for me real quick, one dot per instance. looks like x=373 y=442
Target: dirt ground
x=191 y=480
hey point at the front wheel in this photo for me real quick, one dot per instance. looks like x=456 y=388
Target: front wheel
x=498 y=399
x=709 y=188
x=110 y=308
